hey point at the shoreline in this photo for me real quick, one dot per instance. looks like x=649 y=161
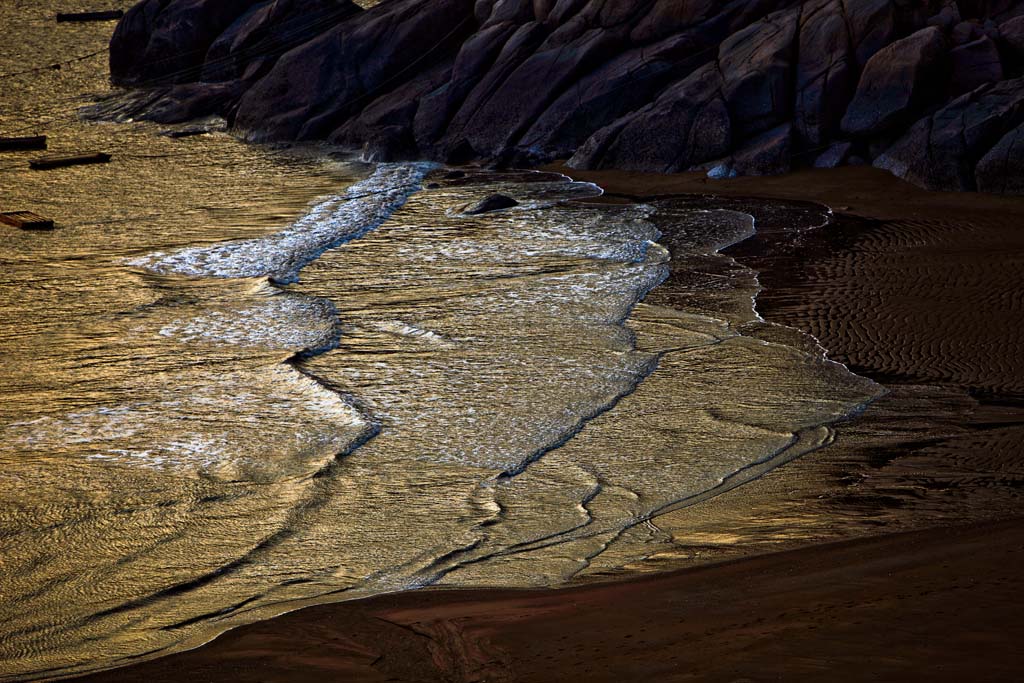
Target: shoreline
x=864 y=193
x=861 y=191
x=839 y=610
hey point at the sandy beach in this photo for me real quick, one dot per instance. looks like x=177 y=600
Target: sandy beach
x=315 y=377
x=861 y=610
x=894 y=546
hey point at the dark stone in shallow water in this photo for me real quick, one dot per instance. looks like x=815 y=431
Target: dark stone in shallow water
x=651 y=85
x=495 y=202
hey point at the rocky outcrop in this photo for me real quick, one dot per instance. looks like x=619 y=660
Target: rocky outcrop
x=739 y=86
x=835 y=156
x=1002 y=169
x=897 y=82
x=688 y=124
x=251 y=45
x=315 y=88
x=942 y=151
x=1011 y=35
x=184 y=41
x=974 y=64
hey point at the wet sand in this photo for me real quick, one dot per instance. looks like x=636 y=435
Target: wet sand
x=920 y=291
x=938 y=605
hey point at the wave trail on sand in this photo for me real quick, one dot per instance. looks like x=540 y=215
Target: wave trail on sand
x=533 y=396
x=280 y=256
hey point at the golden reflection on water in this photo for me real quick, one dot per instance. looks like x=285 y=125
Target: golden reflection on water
x=170 y=468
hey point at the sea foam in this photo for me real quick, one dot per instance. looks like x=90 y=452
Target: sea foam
x=280 y=256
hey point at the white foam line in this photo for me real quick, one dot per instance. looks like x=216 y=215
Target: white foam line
x=280 y=256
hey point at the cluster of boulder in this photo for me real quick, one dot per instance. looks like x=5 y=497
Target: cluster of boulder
x=932 y=90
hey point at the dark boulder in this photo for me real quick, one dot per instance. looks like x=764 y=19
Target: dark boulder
x=495 y=202
x=965 y=32
x=505 y=11
x=476 y=56
x=523 y=96
x=667 y=17
x=825 y=74
x=190 y=101
x=166 y=42
x=392 y=143
x=836 y=39
x=517 y=49
x=767 y=154
x=947 y=17
x=133 y=33
x=651 y=85
x=391 y=115
x=974 y=64
x=1002 y=169
x=873 y=25
x=607 y=93
x=836 y=155
x=267 y=31
x=716 y=19
x=314 y=88
x=688 y=125
x=940 y=151
x=897 y=82
x=756 y=67
x=1011 y=36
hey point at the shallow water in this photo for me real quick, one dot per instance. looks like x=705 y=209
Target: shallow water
x=239 y=379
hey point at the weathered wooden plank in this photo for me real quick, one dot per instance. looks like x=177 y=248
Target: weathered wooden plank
x=103 y=15
x=24 y=142
x=45 y=163
x=26 y=220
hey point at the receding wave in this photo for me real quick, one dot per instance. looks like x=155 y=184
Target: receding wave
x=495 y=399
x=281 y=256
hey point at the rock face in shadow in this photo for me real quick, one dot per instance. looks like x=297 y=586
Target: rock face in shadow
x=743 y=86
x=1002 y=169
x=897 y=83
x=942 y=151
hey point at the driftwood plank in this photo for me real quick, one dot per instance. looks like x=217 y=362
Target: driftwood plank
x=24 y=142
x=26 y=220
x=45 y=163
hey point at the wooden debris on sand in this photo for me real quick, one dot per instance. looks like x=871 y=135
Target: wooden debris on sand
x=103 y=15
x=45 y=163
x=26 y=220
x=23 y=142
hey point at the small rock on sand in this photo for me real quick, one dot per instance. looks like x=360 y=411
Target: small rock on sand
x=495 y=202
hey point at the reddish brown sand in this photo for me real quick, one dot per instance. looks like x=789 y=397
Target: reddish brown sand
x=927 y=296
x=940 y=605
